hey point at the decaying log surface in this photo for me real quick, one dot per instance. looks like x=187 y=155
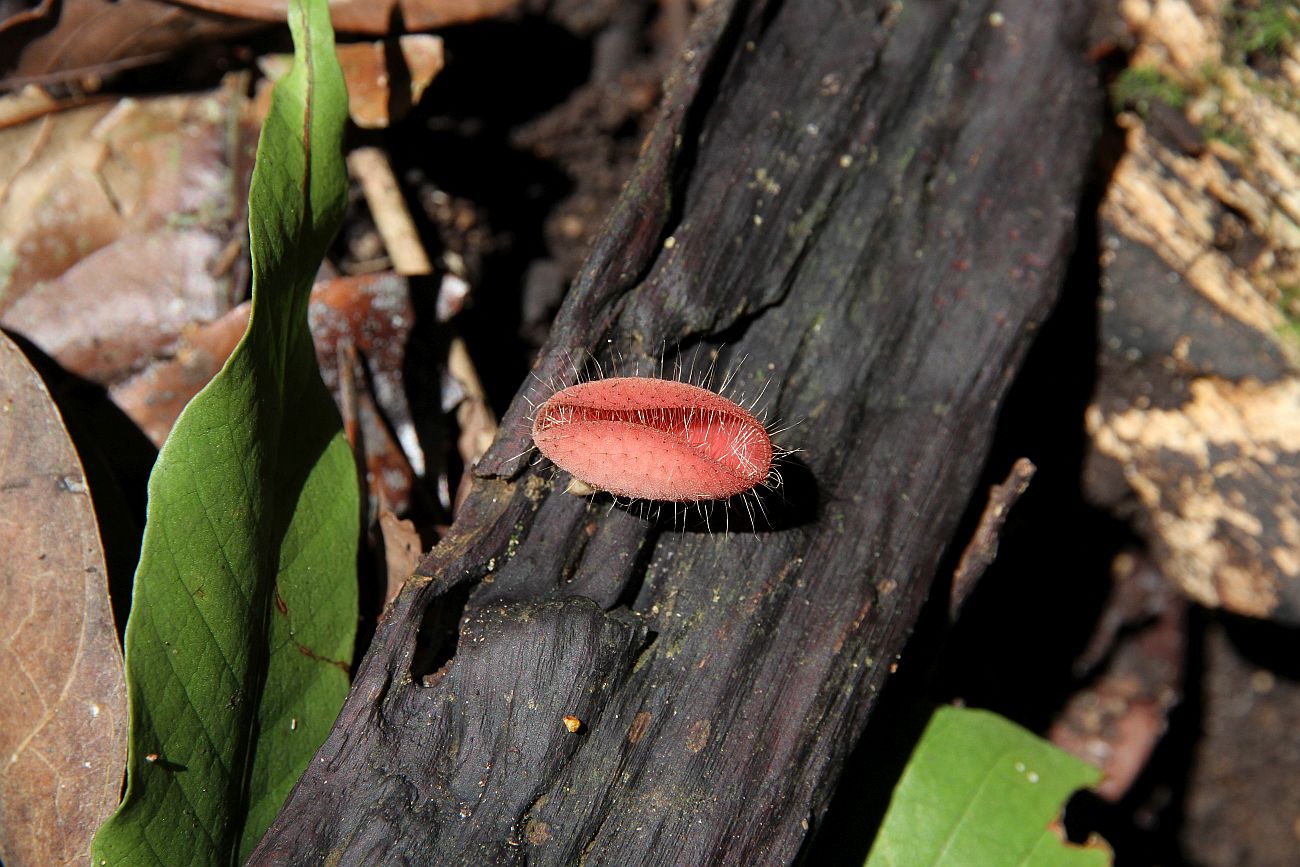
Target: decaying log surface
x=1195 y=423
x=872 y=203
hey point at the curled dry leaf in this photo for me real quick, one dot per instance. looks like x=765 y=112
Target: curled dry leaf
x=123 y=223
x=90 y=39
x=63 y=697
x=373 y=315
x=365 y=67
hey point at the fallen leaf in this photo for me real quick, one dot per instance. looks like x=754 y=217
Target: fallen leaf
x=367 y=16
x=367 y=70
x=402 y=550
x=122 y=223
x=154 y=398
x=28 y=104
x=372 y=314
x=63 y=699
x=87 y=40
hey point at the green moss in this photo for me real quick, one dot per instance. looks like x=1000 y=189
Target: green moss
x=1290 y=300
x=1221 y=128
x=1268 y=27
x=1140 y=87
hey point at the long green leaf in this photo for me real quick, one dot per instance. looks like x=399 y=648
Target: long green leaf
x=980 y=791
x=244 y=612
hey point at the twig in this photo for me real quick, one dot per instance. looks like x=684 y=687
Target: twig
x=983 y=545
x=478 y=424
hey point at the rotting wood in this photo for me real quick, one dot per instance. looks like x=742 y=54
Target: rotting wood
x=873 y=204
x=1195 y=423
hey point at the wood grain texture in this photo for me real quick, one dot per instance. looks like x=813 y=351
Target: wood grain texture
x=873 y=204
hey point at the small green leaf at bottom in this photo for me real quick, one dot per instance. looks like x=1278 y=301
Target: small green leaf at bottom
x=980 y=791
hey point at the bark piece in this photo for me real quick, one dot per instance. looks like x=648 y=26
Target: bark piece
x=869 y=204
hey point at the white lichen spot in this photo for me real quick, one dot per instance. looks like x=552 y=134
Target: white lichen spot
x=764 y=181
x=997 y=19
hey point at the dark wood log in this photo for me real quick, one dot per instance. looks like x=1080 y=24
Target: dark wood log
x=873 y=204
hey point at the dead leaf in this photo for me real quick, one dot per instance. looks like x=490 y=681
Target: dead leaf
x=155 y=397
x=123 y=223
x=366 y=69
x=372 y=315
x=31 y=103
x=86 y=40
x=63 y=697
x=402 y=549
x=1135 y=670
x=367 y=16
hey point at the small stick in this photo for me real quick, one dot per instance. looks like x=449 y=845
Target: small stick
x=370 y=167
x=983 y=545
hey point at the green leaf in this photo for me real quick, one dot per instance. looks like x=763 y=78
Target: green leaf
x=244 y=611
x=979 y=790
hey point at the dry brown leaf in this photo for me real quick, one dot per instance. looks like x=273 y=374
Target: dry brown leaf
x=122 y=223
x=90 y=39
x=402 y=549
x=367 y=16
x=368 y=320
x=365 y=67
x=154 y=399
x=372 y=315
x=366 y=70
x=63 y=697
x=30 y=103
